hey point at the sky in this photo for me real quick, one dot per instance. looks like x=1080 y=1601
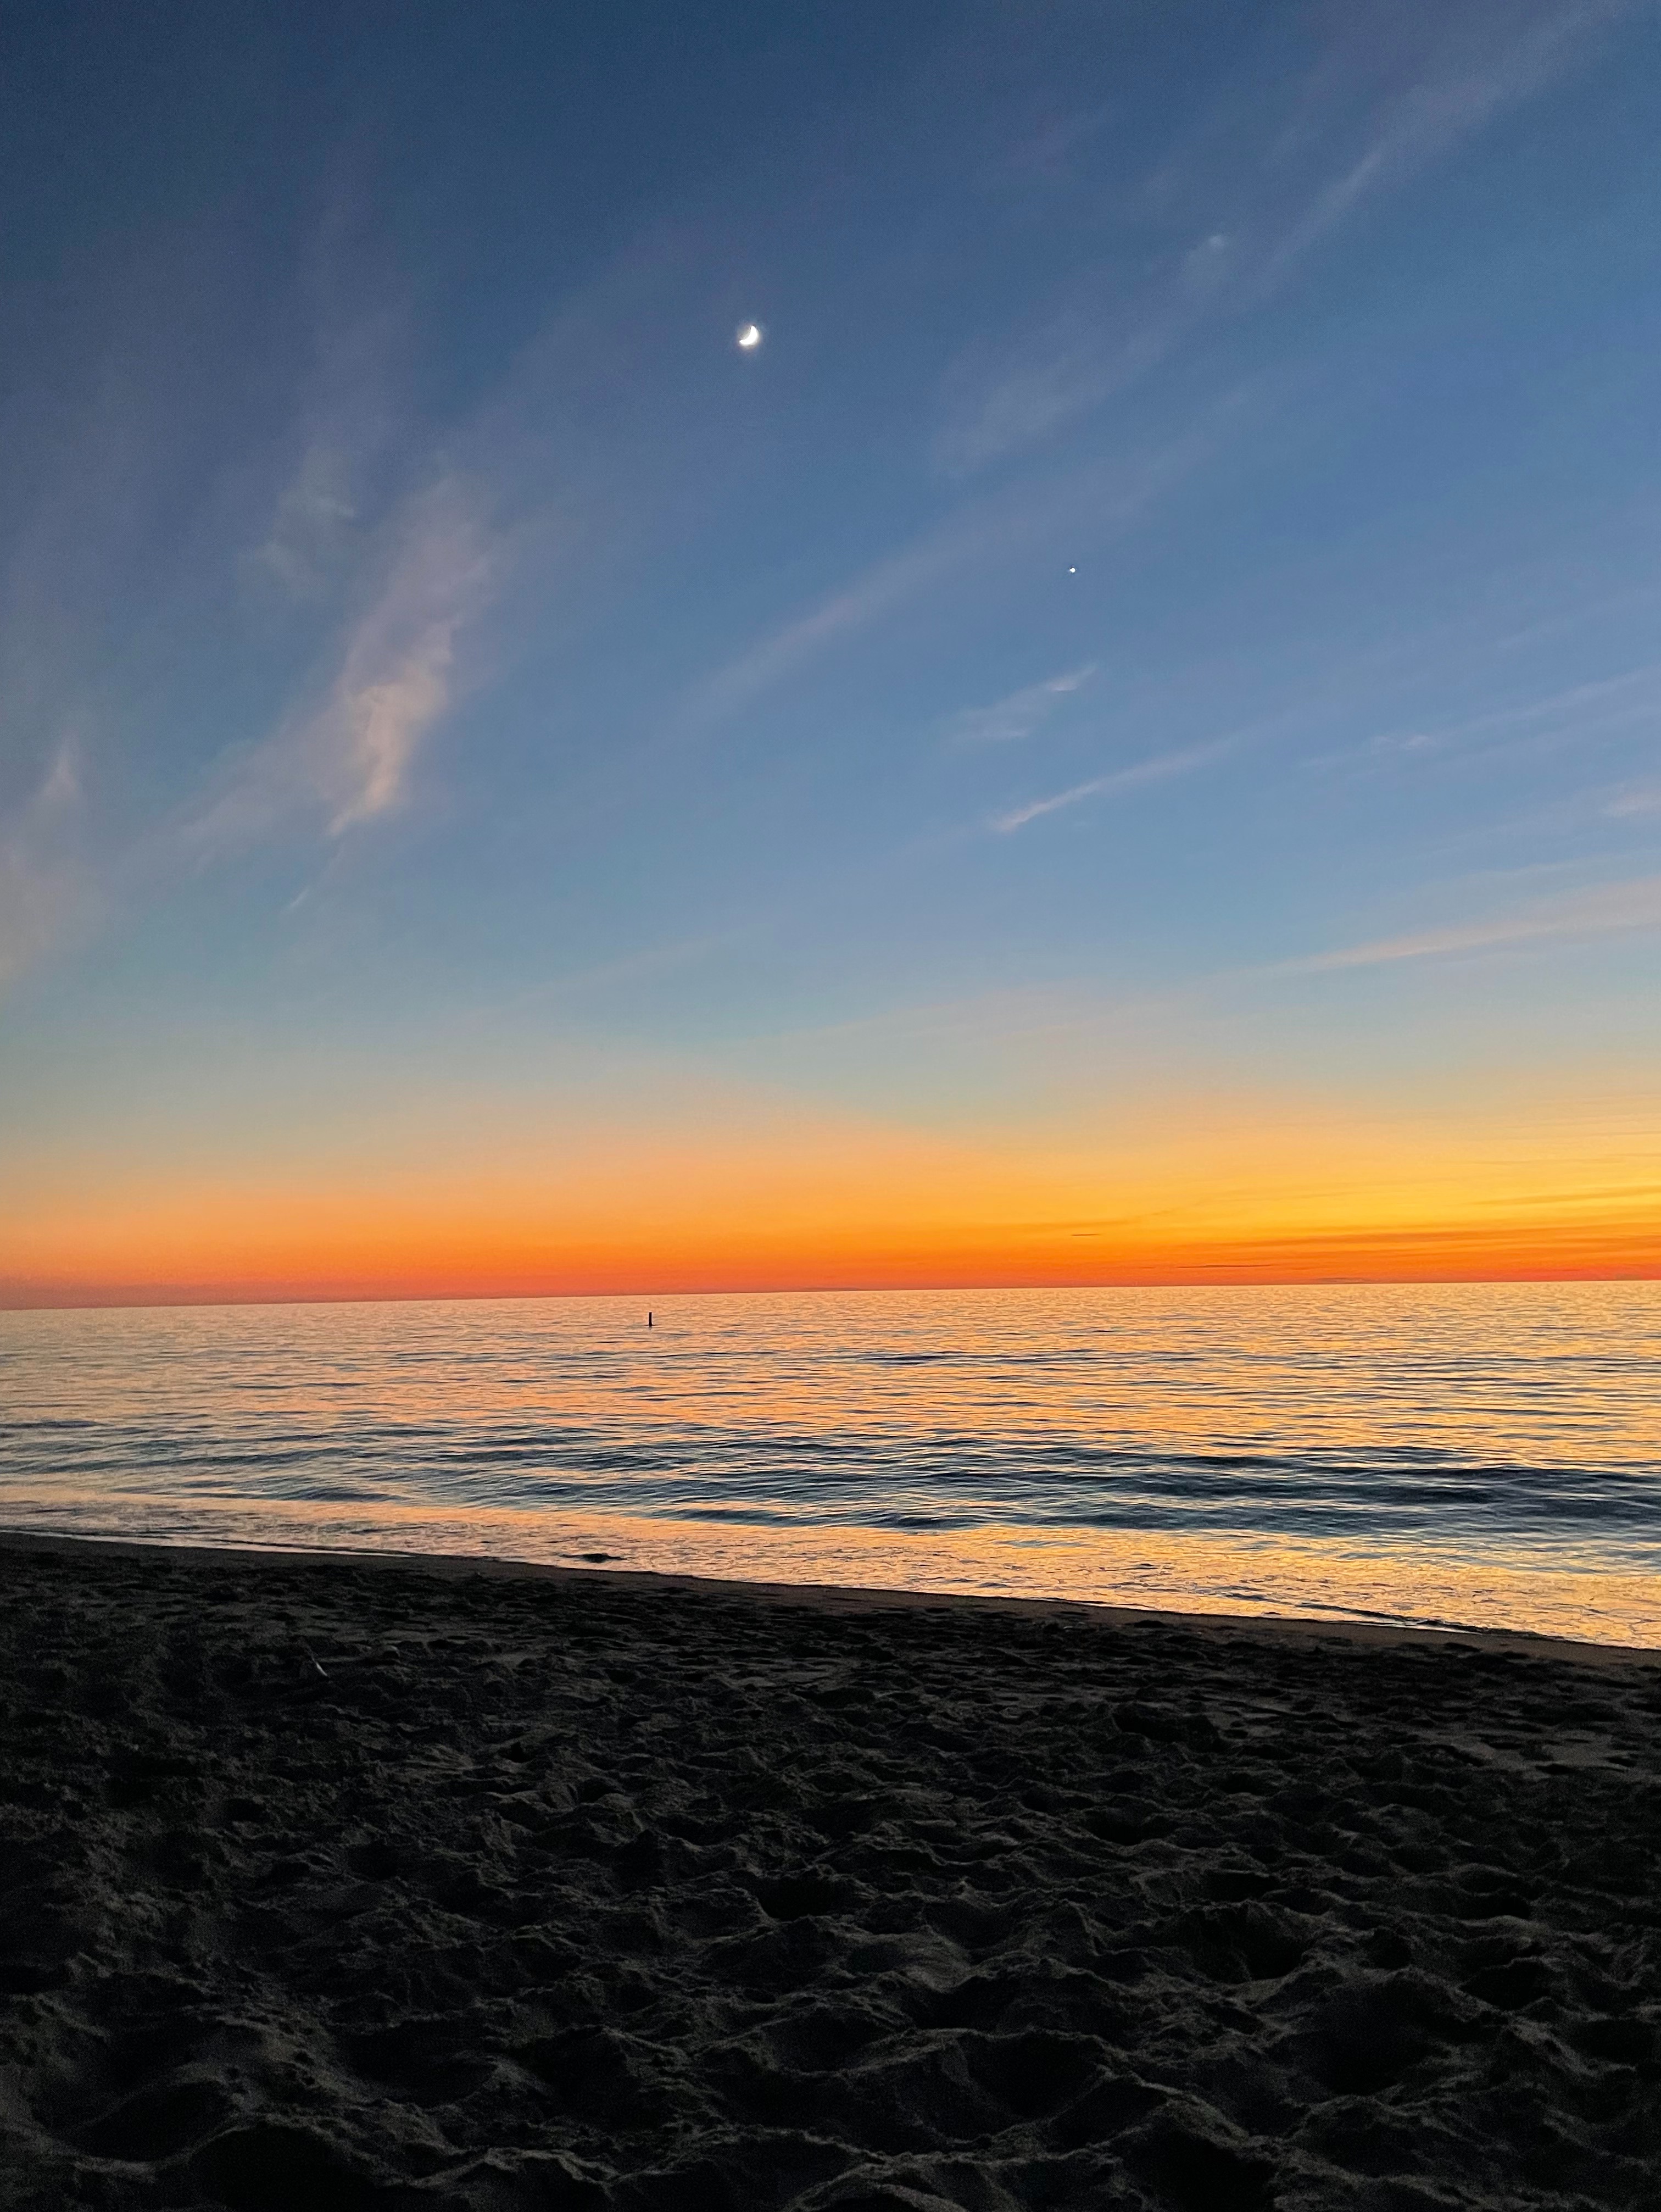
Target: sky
x=1118 y=742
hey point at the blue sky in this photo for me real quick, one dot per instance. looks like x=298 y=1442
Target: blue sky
x=1169 y=609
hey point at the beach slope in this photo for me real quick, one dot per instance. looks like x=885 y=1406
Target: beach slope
x=341 y=1884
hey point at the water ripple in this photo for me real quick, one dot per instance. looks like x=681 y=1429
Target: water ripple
x=1400 y=1428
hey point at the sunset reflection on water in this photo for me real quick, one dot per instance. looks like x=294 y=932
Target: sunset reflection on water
x=1480 y=1454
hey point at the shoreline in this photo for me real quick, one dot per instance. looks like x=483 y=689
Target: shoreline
x=853 y=1599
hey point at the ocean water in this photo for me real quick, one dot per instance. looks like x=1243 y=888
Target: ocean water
x=1485 y=1455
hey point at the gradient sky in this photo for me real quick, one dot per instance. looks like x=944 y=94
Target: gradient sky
x=1120 y=743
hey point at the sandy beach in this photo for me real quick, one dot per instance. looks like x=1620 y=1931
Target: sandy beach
x=340 y=1884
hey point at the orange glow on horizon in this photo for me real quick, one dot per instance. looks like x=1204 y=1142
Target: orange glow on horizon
x=841 y=1210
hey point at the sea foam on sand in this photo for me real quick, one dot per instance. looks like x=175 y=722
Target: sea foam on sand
x=385 y=1884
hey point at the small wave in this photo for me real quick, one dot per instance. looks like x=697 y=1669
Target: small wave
x=1411 y=1426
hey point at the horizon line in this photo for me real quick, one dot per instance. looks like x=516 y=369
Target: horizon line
x=118 y=1300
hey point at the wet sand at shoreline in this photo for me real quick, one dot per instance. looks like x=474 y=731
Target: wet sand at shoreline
x=352 y=1882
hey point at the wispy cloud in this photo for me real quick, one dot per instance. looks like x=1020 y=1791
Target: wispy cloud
x=650 y=965
x=1608 y=911
x=1072 y=364
x=43 y=882
x=1158 y=769
x=315 y=512
x=1476 y=65
x=395 y=681
x=1608 y=705
x=349 y=754
x=340 y=451
x=1008 y=721
x=886 y=586
x=1377 y=108
x=124 y=506
x=1108 y=495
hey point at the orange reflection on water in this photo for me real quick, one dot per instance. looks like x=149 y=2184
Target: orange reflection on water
x=1481 y=1455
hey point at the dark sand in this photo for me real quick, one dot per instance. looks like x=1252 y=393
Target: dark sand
x=347 y=1885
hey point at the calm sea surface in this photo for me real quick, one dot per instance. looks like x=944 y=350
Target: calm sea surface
x=1474 y=1454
